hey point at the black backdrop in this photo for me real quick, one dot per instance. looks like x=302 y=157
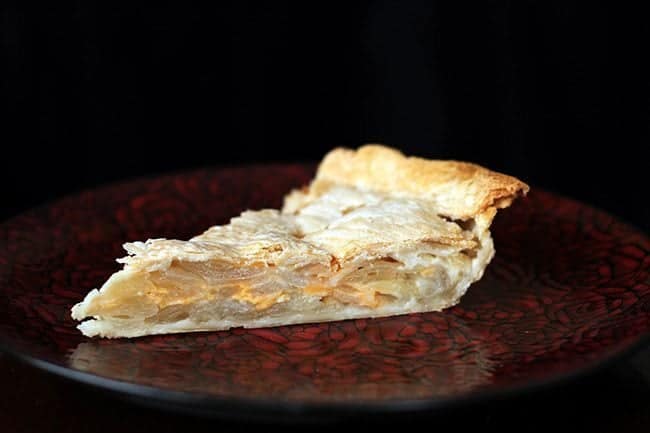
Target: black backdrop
x=555 y=92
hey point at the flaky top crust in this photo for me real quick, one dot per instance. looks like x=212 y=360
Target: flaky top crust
x=459 y=190
x=362 y=203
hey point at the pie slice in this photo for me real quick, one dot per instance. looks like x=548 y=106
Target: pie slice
x=374 y=234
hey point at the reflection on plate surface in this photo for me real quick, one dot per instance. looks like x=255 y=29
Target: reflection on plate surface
x=355 y=360
x=568 y=288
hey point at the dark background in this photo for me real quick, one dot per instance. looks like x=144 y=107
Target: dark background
x=554 y=92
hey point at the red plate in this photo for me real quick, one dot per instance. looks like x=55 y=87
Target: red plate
x=569 y=289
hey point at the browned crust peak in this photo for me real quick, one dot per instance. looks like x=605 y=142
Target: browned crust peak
x=461 y=190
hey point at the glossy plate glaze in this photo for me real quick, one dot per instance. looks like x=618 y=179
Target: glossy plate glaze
x=568 y=289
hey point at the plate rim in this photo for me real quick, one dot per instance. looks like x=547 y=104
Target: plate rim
x=270 y=409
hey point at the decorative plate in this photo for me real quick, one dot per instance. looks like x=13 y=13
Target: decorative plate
x=569 y=289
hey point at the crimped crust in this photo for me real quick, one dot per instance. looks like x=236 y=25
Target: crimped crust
x=459 y=190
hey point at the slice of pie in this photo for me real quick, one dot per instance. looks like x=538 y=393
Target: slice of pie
x=374 y=234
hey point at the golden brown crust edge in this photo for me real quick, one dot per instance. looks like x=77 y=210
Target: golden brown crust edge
x=461 y=190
